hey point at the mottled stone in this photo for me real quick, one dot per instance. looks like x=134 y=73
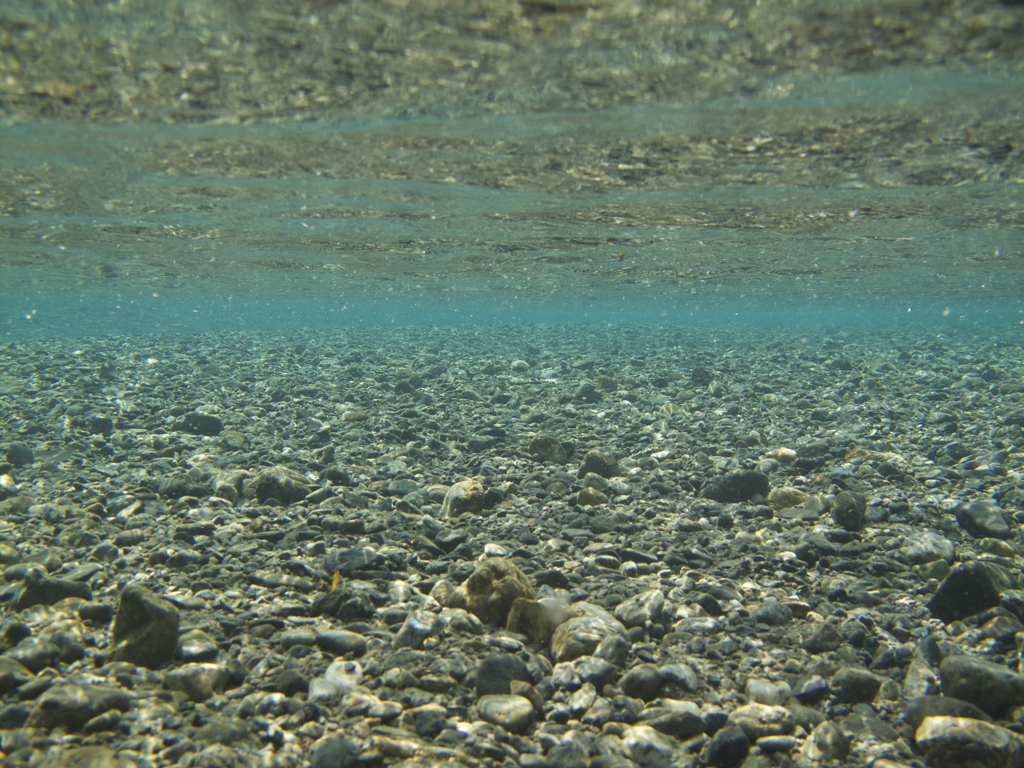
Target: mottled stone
x=466 y=496
x=72 y=706
x=145 y=628
x=513 y=713
x=991 y=687
x=957 y=742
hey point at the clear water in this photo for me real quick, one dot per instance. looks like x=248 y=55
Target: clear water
x=803 y=179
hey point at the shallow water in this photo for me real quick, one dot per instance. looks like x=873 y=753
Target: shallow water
x=800 y=162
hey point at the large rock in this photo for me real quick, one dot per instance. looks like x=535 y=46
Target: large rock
x=40 y=589
x=72 y=706
x=464 y=496
x=600 y=464
x=491 y=589
x=991 y=687
x=970 y=588
x=281 y=483
x=960 y=742
x=544 y=448
x=586 y=629
x=145 y=628
x=735 y=487
x=849 y=510
x=983 y=520
x=927 y=547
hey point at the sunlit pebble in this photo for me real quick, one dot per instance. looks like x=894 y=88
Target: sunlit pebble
x=785 y=455
x=704 y=523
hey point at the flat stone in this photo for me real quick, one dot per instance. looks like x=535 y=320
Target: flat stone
x=958 y=742
x=145 y=628
x=513 y=713
x=970 y=588
x=72 y=706
x=991 y=687
x=760 y=720
x=198 y=681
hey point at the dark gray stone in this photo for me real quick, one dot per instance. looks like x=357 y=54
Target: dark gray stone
x=145 y=629
x=495 y=674
x=19 y=454
x=40 y=589
x=72 y=706
x=983 y=520
x=970 y=588
x=991 y=687
x=849 y=509
x=642 y=682
x=728 y=748
x=735 y=487
x=772 y=612
x=941 y=706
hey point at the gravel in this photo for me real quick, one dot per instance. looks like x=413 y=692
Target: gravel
x=533 y=546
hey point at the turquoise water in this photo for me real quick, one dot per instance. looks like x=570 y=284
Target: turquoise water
x=867 y=195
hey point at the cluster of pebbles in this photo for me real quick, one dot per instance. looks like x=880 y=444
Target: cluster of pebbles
x=533 y=546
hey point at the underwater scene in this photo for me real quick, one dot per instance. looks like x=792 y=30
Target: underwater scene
x=511 y=383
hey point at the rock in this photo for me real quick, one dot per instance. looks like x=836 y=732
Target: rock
x=583 y=633
x=72 y=706
x=201 y=424
x=983 y=520
x=921 y=680
x=927 y=547
x=970 y=588
x=786 y=497
x=426 y=720
x=495 y=673
x=145 y=628
x=728 y=748
x=590 y=497
x=87 y=757
x=648 y=747
x=466 y=496
x=827 y=743
x=197 y=646
x=198 y=681
x=941 y=706
x=334 y=751
x=547 y=449
x=640 y=609
x=772 y=612
x=679 y=719
x=642 y=682
x=849 y=510
x=513 y=713
x=825 y=637
x=760 y=720
x=352 y=561
x=597 y=462
x=853 y=685
x=734 y=487
x=491 y=589
x=531 y=618
x=19 y=454
x=341 y=642
x=40 y=589
x=768 y=692
x=991 y=687
x=278 y=483
x=957 y=742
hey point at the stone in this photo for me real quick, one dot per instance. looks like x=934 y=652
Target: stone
x=72 y=706
x=19 y=454
x=921 y=680
x=957 y=742
x=970 y=588
x=824 y=637
x=854 y=685
x=334 y=751
x=849 y=510
x=728 y=748
x=583 y=633
x=927 y=547
x=826 y=743
x=145 y=628
x=281 y=483
x=466 y=496
x=769 y=692
x=544 y=448
x=87 y=757
x=491 y=589
x=680 y=719
x=341 y=642
x=991 y=687
x=40 y=589
x=599 y=463
x=786 y=497
x=647 y=746
x=426 y=720
x=983 y=520
x=590 y=497
x=195 y=645
x=202 y=424
x=735 y=487
x=772 y=612
x=642 y=682
x=760 y=720
x=198 y=681
x=531 y=618
x=640 y=609
x=513 y=713
x=495 y=673
x=941 y=706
